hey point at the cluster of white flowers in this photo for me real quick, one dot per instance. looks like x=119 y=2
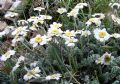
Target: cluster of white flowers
x=55 y=30
x=38 y=19
x=19 y=34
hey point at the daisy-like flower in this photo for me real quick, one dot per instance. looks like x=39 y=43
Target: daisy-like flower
x=20 y=31
x=61 y=10
x=99 y=15
x=95 y=21
x=36 y=20
x=101 y=34
x=54 y=76
x=85 y=33
x=39 y=40
x=55 y=25
x=54 y=31
x=7 y=55
x=71 y=41
x=106 y=59
x=34 y=73
x=115 y=19
x=68 y=34
x=115 y=35
x=114 y=5
x=73 y=13
x=39 y=9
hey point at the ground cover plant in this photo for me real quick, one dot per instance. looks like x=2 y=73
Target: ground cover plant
x=62 y=42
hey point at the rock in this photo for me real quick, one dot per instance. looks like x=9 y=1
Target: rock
x=5 y=4
x=3 y=25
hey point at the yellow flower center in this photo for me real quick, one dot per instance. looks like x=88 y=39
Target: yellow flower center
x=107 y=58
x=102 y=34
x=91 y=19
x=55 y=31
x=69 y=34
x=38 y=39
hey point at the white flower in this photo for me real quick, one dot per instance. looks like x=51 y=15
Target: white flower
x=68 y=34
x=20 y=31
x=99 y=15
x=39 y=40
x=7 y=55
x=85 y=33
x=71 y=41
x=17 y=39
x=115 y=35
x=73 y=13
x=114 y=5
x=95 y=21
x=33 y=27
x=54 y=76
x=106 y=59
x=55 y=25
x=39 y=9
x=36 y=19
x=44 y=17
x=32 y=18
x=81 y=5
x=21 y=58
x=54 y=31
x=101 y=34
x=34 y=73
x=61 y=10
